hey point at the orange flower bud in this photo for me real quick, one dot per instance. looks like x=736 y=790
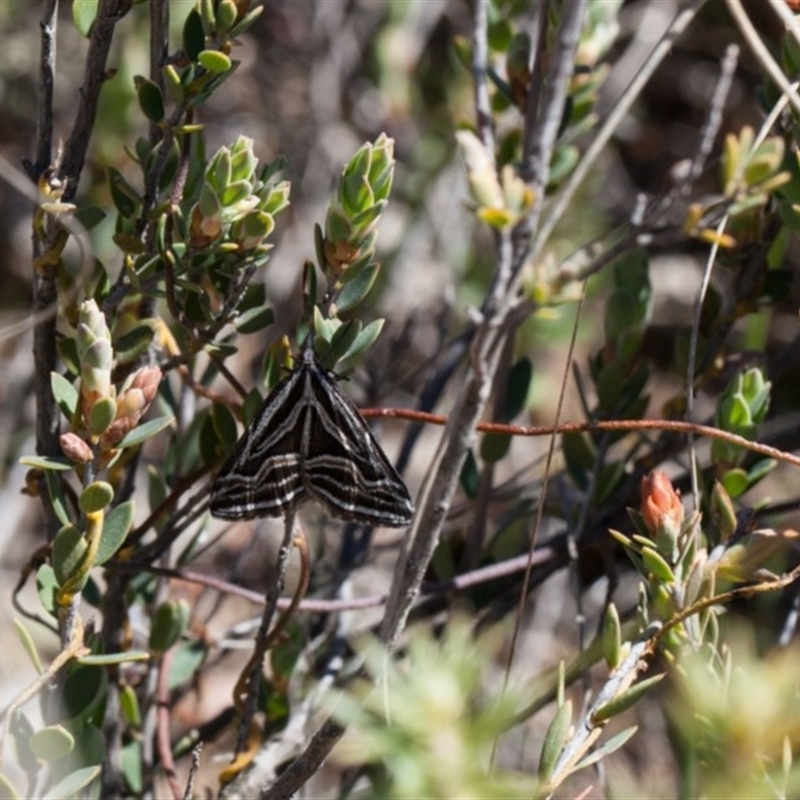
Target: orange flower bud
x=661 y=504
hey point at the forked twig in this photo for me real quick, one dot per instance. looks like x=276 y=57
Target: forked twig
x=74 y=649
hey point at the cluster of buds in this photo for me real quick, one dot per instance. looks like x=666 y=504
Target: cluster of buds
x=107 y=415
x=501 y=201
x=237 y=206
x=361 y=196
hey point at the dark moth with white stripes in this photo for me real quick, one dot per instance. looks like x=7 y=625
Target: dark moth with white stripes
x=309 y=441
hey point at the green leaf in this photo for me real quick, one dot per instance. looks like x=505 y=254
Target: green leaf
x=84 y=13
x=255 y=319
x=357 y=287
x=101 y=416
x=469 y=475
x=146 y=431
x=214 y=61
x=57 y=463
x=253 y=402
x=47 y=587
x=364 y=339
x=29 y=645
x=52 y=743
x=284 y=656
x=169 y=623
x=341 y=341
x=518 y=386
x=554 y=740
x=224 y=424
x=226 y=15
x=194 y=37
x=84 y=696
x=579 y=456
x=495 y=446
x=57 y=500
x=132 y=344
x=151 y=101
x=187 y=658
x=90 y=216
x=245 y=22
x=64 y=393
x=116 y=526
x=626 y=699
x=95 y=497
x=129 y=705
x=605 y=749
x=131 y=766
x=735 y=482
x=654 y=562
x=172 y=83
x=125 y=197
x=760 y=470
x=71 y=785
x=69 y=550
x=255 y=296
x=7 y=790
x=112 y=659
x=612 y=636
x=608 y=478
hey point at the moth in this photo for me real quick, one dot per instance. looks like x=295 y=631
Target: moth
x=307 y=441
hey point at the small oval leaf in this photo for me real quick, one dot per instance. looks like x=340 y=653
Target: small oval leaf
x=214 y=61
x=355 y=290
x=554 y=740
x=65 y=394
x=51 y=743
x=255 y=319
x=116 y=526
x=95 y=497
x=69 y=549
x=71 y=785
x=101 y=416
x=146 y=431
x=47 y=462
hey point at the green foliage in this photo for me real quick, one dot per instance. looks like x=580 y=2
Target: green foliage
x=143 y=386
x=429 y=727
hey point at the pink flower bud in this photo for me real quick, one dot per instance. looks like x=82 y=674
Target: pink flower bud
x=74 y=448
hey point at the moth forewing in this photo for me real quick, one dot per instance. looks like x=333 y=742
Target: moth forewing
x=309 y=439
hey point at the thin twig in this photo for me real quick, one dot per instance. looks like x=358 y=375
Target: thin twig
x=542 y=122
x=74 y=649
x=727 y=70
x=47 y=68
x=632 y=425
x=442 y=476
x=193 y=769
x=163 y=726
x=523 y=595
x=760 y=51
x=159 y=52
x=691 y=366
x=480 y=61
x=251 y=675
x=109 y=13
x=458 y=583
x=556 y=212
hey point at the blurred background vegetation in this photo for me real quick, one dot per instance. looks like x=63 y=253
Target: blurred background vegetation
x=315 y=80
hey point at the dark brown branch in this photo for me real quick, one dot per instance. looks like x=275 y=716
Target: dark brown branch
x=47 y=68
x=109 y=13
